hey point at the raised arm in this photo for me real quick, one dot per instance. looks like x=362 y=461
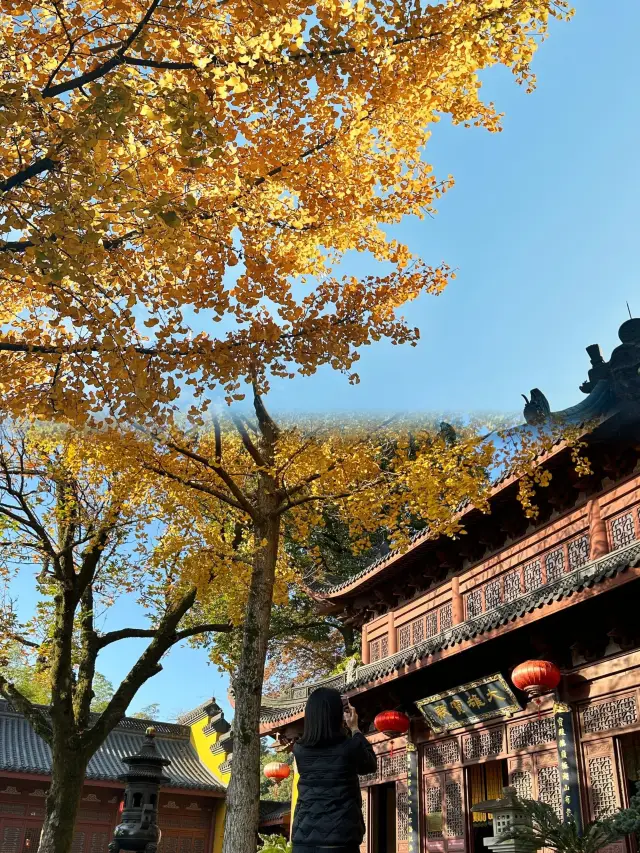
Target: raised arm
x=363 y=755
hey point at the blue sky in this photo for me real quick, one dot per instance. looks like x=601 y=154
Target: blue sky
x=542 y=227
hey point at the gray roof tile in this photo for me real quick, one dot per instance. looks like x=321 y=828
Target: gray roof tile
x=23 y=751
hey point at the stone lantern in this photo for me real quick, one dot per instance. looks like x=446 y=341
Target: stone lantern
x=507 y=814
x=138 y=831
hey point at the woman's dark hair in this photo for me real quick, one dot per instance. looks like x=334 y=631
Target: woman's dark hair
x=323 y=718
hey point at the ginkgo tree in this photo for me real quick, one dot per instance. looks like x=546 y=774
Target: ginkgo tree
x=168 y=165
x=254 y=479
x=81 y=530
x=178 y=184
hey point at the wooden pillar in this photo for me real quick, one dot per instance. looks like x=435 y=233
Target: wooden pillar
x=365 y=645
x=599 y=542
x=393 y=634
x=457 y=608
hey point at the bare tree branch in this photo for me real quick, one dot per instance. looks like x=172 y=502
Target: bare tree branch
x=241 y=499
x=250 y=447
x=45 y=164
x=36 y=716
x=194 y=484
x=133 y=633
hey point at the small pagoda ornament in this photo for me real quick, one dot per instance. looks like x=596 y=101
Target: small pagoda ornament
x=508 y=816
x=138 y=831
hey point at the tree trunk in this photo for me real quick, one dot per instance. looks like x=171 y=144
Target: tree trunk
x=243 y=793
x=68 y=768
x=348 y=637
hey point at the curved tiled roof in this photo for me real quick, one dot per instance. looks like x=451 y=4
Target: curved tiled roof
x=589 y=575
x=23 y=751
x=598 y=405
x=207 y=708
x=271 y=810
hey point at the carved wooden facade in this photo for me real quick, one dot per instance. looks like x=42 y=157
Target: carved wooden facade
x=186 y=822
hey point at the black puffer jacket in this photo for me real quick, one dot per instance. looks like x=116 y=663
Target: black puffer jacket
x=329 y=808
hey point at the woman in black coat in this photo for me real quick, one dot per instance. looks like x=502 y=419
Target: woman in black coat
x=330 y=756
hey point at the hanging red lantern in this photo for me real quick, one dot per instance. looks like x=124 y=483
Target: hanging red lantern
x=392 y=723
x=277 y=770
x=536 y=677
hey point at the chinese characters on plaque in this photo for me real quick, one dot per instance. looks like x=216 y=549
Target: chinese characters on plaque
x=413 y=786
x=567 y=762
x=471 y=703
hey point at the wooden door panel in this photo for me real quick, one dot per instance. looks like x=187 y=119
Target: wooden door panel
x=432 y=809
x=182 y=842
x=602 y=785
x=454 y=811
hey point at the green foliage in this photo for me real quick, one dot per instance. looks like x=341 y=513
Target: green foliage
x=274 y=844
x=344 y=663
x=103 y=691
x=269 y=790
x=149 y=712
x=549 y=831
x=33 y=681
x=627 y=821
x=28 y=678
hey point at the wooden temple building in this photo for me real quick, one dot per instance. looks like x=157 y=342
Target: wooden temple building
x=447 y=623
x=191 y=804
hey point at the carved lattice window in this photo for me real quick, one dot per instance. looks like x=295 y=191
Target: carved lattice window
x=12 y=808
x=532 y=576
x=521 y=780
x=446 y=617
x=493 y=594
x=554 y=564
x=623 y=531
x=402 y=806
x=417 y=631
x=610 y=715
x=532 y=733
x=439 y=754
x=578 y=551
x=10 y=839
x=432 y=624
x=512 y=586
x=393 y=766
x=549 y=788
x=404 y=637
x=77 y=845
x=474 y=603
x=370 y=777
x=374 y=651
x=453 y=806
x=482 y=745
x=603 y=788
x=434 y=812
x=99 y=842
x=384 y=646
